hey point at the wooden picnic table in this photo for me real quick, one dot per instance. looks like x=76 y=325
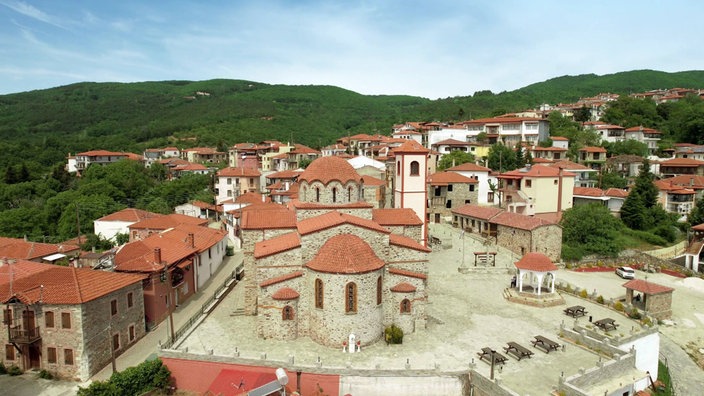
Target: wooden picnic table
x=606 y=324
x=518 y=350
x=545 y=344
x=575 y=311
x=487 y=353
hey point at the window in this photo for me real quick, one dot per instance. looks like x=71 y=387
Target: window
x=7 y=316
x=378 y=291
x=554 y=182
x=251 y=181
x=351 y=298
x=449 y=188
x=398 y=168
x=318 y=293
x=49 y=319
x=65 y=320
x=490 y=196
x=130 y=332
x=229 y=181
x=406 y=306
x=448 y=204
x=113 y=307
x=471 y=187
x=317 y=194
x=116 y=341
x=334 y=194
x=51 y=355
x=210 y=253
x=349 y=194
x=415 y=168
x=287 y=313
x=9 y=352
x=130 y=301
x=529 y=183
x=68 y=356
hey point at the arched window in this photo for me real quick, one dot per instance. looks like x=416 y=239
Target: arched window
x=415 y=168
x=349 y=194
x=317 y=194
x=318 y=293
x=351 y=298
x=287 y=313
x=305 y=190
x=406 y=306
x=378 y=291
x=398 y=167
x=334 y=194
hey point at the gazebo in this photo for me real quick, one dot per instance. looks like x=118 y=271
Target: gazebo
x=536 y=266
x=654 y=299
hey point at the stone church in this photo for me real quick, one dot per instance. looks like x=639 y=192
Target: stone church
x=325 y=267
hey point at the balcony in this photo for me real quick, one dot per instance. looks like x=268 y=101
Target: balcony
x=19 y=335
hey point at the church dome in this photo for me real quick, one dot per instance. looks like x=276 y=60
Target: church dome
x=345 y=254
x=327 y=169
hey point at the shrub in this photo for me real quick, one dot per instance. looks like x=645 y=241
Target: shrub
x=635 y=314
x=14 y=370
x=583 y=293
x=230 y=251
x=618 y=306
x=600 y=299
x=3 y=369
x=147 y=376
x=393 y=334
x=646 y=321
x=46 y=375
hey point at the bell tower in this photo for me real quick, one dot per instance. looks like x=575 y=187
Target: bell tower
x=410 y=187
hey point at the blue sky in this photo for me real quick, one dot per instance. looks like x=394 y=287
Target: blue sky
x=432 y=49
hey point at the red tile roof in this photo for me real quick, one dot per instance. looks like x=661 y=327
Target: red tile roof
x=103 y=153
x=403 y=287
x=345 y=254
x=372 y=181
x=569 y=165
x=251 y=197
x=167 y=221
x=520 y=221
x=536 y=261
x=285 y=293
x=537 y=171
x=140 y=256
x=478 y=212
x=410 y=147
x=129 y=215
x=588 y=191
x=21 y=249
x=279 y=279
x=52 y=284
x=266 y=216
x=469 y=167
x=334 y=219
x=682 y=162
x=327 y=169
x=616 y=193
x=412 y=274
x=314 y=205
x=396 y=217
x=238 y=172
x=693 y=181
x=647 y=287
x=446 y=178
x=277 y=244
x=593 y=149
x=403 y=241
x=285 y=174
x=203 y=237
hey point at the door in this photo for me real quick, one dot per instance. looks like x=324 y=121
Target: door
x=35 y=357
x=28 y=322
x=437 y=217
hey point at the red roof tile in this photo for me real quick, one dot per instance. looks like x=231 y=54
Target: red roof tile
x=167 y=221
x=21 y=249
x=536 y=261
x=396 y=217
x=616 y=193
x=446 y=178
x=129 y=215
x=345 y=254
x=683 y=162
x=282 y=278
x=266 y=216
x=646 y=287
x=285 y=293
x=327 y=169
x=238 y=172
x=519 y=221
x=140 y=256
x=372 y=181
x=403 y=287
x=593 y=149
x=478 y=212
x=400 y=240
x=412 y=274
x=334 y=219
x=588 y=191
x=569 y=165
x=277 y=244
x=410 y=147
x=469 y=167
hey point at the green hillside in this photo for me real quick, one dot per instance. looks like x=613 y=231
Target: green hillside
x=41 y=127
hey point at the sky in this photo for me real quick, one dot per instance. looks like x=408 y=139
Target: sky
x=432 y=49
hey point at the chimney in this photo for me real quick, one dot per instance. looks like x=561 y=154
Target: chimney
x=191 y=240
x=157 y=255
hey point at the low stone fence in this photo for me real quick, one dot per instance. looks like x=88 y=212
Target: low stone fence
x=573 y=385
x=483 y=386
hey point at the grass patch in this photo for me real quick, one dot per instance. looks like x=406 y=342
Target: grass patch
x=664 y=377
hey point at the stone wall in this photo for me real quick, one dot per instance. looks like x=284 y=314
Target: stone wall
x=483 y=386
x=659 y=305
x=573 y=385
x=548 y=240
x=413 y=232
x=459 y=196
x=332 y=193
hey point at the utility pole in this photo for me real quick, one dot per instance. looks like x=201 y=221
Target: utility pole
x=78 y=225
x=112 y=348
x=172 y=301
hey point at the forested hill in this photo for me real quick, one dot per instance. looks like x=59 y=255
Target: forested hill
x=41 y=127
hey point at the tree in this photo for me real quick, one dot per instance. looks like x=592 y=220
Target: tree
x=520 y=158
x=626 y=147
x=303 y=163
x=633 y=211
x=612 y=180
x=645 y=187
x=454 y=158
x=501 y=158
x=583 y=114
x=696 y=215
x=591 y=229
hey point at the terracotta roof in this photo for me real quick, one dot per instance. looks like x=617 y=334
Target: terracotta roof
x=279 y=279
x=129 y=215
x=469 y=167
x=520 y=221
x=478 y=212
x=52 y=284
x=536 y=261
x=692 y=181
x=412 y=274
x=537 y=171
x=403 y=287
x=616 y=193
x=285 y=174
x=682 y=162
x=698 y=227
x=372 y=181
x=251 y=197
x=265 y=216
x=327 y=169
x=345 y=254
x=666 y=185
x=167 y=221
x=140 y=256
x=334 y=219
x=285 y=293
x=410 y=146
x=238 y=172
x=104 y=153
x=559 y=138
x=446 y=178
x=646 y=287
x=588 y=191
x=537 y=161
x=396 y=217
x=403 y=241
x=203 y=237
x=453 y=142
x=277 y=244
x=549 y=149
x=569 y=165
x=593 y=149
x=334 y=206
x=21 y=249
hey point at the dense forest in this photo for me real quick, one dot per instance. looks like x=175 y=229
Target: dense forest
x=38 y=129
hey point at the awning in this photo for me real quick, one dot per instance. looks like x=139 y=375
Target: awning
x=54 y=257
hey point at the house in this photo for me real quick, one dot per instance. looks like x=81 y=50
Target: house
x=509 y=130
x=292 y=159
x=233 y=182
x=536 y=189
x=233 y=212
x=674 y=198
x=650 y=297
x=693 y=182
x=519 y=233
x=593 y=157
x=694 y=255
x=107 y=227
x=203 y=155
x=648 y=136
x=448 y=191
x=282 y=185
x=612 y=198
x=584 y=176
x=68 y=321
x=550 y=153
x=99 y=157
x=188 y=169
x=151 y=156
x=449 y=145
x=20 y=248
x=607 y=132
x=199 y=209
x=486 y=194
x=689 y=150
x=625 y=165
x=681 y=166
x=154 y=225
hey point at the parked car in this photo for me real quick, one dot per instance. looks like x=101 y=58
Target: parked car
x=626 y=272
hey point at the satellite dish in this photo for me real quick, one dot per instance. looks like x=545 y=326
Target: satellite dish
x=281 y=376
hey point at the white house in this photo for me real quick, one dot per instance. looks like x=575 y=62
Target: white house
x=107 y=227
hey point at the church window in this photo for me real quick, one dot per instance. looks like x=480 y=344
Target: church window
x=398 y=168
x=415 y=168
x=378 y=291
x=317 y=194
x=287 y=313
x=351 y=298
x=318 y=293
x=334 y=194
x=349 y=194
x=406 y=306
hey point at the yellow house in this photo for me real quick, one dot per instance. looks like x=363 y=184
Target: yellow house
x=536 y=189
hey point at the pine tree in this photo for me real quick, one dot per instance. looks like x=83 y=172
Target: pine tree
x=645 y=187
x=696 y=216
x=633 y=211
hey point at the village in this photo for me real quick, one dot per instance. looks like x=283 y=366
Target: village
x=368 y=267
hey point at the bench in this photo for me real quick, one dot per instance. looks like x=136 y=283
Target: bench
x=575 y=311
x=606 y=324
x=545 y=344
x=487 y=353
x=518 y=350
